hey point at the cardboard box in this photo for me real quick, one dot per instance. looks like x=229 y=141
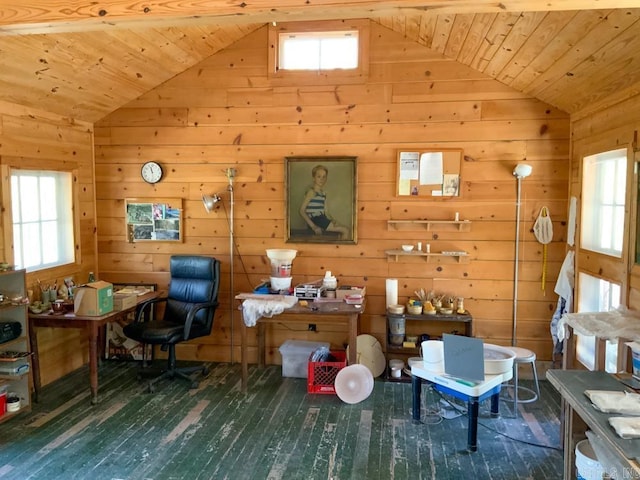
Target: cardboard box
x=343 y=291
x=122 y=301
x=93 y=299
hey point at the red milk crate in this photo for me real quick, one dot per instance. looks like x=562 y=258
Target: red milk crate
x=322 y=375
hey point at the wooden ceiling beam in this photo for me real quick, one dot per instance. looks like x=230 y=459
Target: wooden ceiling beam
x=54 y=16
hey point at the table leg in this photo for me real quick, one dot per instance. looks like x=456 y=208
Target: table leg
x=495 y=404
x=243 y=356
x=353 y=338
x=416 y=388
x=35 y=362
x=93 y=361
x=473 y=406
x=261 y=344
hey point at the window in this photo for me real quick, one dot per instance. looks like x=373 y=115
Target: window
x=318 y=50
x=604 y=179
x=42 y=217
x=318 y=53
x=596 y=295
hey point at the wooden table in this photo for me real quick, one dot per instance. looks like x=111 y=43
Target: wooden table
x=579 y=414
x=92 y=327
x=319 y=312
x=472 y=394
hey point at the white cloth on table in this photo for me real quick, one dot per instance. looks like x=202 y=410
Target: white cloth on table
x=626 y=427
x=622 y=403
x=612 y=325
x=256 y=306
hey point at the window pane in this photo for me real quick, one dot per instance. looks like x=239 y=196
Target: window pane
x=603 y=202
x=596 y=295
x=318 y=50
x=42 y=218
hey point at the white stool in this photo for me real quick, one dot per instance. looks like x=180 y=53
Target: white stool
x=523 y=355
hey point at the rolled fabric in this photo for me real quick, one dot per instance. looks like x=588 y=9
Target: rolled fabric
x=392 y=291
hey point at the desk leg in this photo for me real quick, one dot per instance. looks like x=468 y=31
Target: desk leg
x=93 y=361
x=473 y=406
x=35 y=362
x=261 y=344
x=243 y=356
x=495 y=404
x=416 y=388
x=353 y=338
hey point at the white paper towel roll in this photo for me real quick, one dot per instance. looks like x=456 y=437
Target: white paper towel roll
x=392 y=291
x=433 y=355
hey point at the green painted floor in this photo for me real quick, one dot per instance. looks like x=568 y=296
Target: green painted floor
x=275 y=431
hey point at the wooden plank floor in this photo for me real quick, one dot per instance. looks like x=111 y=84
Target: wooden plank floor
x=276 y=431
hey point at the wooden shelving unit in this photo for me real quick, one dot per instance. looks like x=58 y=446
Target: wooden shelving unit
x=420 y=324
x=460 y=225
x=15 y=355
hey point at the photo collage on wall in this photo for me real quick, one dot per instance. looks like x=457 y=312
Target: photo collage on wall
x=149 y=221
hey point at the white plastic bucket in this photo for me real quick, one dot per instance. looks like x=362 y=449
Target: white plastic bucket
x=587 y=465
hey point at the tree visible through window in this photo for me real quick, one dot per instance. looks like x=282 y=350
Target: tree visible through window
x=42 y=212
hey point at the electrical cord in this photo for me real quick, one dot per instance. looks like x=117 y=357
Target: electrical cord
x=526 y=442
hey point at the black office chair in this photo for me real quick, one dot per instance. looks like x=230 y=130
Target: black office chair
x=189 y=309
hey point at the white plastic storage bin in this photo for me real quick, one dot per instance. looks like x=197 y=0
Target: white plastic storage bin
x=295 y=356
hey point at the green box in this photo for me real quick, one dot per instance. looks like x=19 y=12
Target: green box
x=93 y=299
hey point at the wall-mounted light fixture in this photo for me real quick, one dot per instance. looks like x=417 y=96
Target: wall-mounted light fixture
x=209 y=202
x=522 y=170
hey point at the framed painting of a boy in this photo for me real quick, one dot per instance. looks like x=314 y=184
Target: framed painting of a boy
x=321 y=200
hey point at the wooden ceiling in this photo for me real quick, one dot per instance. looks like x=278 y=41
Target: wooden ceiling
x=83 y=60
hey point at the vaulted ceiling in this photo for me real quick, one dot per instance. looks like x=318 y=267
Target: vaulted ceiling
x=83 y=60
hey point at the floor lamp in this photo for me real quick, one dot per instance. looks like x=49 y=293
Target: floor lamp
x=521 y=171
x=209 y=202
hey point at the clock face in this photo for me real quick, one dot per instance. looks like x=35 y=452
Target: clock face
x=151 y=172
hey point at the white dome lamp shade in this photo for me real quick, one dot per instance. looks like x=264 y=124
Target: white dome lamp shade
x=522 y=170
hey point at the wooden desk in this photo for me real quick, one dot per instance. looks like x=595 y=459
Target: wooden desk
x=91 y=325
x=313 y=313
x=579 y=414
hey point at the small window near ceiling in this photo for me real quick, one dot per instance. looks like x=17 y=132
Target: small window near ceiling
x=42 y=212
x=596 y=295
x=604 y=180
x=308 y=53
x=318 y=50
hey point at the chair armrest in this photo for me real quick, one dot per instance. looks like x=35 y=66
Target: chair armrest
x=142 y=307
x=192 y=313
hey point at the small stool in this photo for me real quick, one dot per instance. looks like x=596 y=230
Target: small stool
x=523 y=355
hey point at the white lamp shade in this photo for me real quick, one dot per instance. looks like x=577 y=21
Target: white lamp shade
x=522 y=170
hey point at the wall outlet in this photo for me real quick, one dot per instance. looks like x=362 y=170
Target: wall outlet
x=312 y=327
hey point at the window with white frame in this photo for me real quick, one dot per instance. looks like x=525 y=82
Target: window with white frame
x=604 y=180
x=42 y=218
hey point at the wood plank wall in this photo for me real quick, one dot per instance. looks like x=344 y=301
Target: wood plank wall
x=36 y=139
x=225 y=112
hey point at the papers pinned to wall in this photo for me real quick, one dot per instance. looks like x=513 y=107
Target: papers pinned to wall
x=429 y=173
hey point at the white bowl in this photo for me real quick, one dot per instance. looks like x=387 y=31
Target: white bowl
x=407 y=248
x=281 y=254
x=280 y=283
x=497 y=359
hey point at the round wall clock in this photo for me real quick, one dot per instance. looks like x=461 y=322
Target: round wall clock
x=151 y=172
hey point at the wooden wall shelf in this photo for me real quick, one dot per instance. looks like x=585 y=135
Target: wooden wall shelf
x=395 y=254
x=460 y=225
